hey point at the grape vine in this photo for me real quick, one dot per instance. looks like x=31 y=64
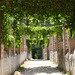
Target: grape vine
x=26 y=17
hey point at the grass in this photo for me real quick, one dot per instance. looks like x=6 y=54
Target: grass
x=20 y=68
x=67 y=73
x=63 y=71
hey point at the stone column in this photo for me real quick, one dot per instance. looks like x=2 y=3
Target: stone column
x=14 y=49
x=57 y=45
x=8 y=51
x=69 y=32
x=66 y=36
x=20 y=50
x=1 y=50
x=27 y=54
x=52 y=43
x=66 y=49
x=64 y=46
x=1 y=57
x=51 y=48
x=58 y=40
x=1 y=45
x=64 y=41
x=69 y=41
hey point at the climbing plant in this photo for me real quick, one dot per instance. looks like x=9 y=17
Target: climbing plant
x=40 y=9
x=40 y=35
x=28 y=14
x=7 y=37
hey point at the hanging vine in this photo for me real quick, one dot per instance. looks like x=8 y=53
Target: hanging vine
x=53 y=15
x=7 y=38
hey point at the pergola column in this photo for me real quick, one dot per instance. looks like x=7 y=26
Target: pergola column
x=8 y=51
x=64 y=41
x=1 y=50
x=14 y=49
x=1 y=45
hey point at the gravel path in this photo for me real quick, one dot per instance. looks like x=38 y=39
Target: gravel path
x=40 y=67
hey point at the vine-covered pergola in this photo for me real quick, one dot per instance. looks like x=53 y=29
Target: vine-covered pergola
x=26 y=17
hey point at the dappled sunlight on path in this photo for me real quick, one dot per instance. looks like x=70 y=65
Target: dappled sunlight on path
x=40 y=67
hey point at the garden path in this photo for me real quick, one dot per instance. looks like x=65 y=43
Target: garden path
x=40 y=67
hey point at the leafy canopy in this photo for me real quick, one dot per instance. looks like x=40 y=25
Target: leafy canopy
x=23 y=16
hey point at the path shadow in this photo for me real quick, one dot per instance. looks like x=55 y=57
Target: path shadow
x=41 y=69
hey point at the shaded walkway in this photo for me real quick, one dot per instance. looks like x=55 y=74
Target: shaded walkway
x=40 y=67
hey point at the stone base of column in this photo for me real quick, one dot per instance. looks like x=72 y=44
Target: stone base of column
x=1 y=50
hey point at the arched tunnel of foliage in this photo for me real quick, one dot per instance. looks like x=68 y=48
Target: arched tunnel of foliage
x=27 y=17
x=40 y=35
